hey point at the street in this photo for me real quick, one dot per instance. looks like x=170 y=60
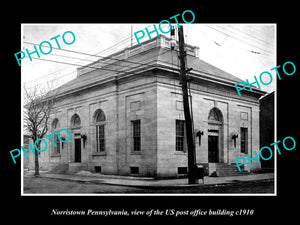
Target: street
x=45 y=185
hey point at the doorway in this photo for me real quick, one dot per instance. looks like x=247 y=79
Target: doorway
x=213 y=149
x=77 y=150
x=215 y=136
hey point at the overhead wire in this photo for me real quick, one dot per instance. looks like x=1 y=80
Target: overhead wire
x=88 y=54
x=147 y=66
x=93 y=66
x=263 y=46
x=114 y=47
x=104 y=57
x=81 y=59
x=248 y=35
x=110 y=49
x=243 y=41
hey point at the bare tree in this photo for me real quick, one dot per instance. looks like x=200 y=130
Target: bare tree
x=38 y=106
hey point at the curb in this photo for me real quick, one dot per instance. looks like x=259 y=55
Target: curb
x=200 y=186
x=167 y=186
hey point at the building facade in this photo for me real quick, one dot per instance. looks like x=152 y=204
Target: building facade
x=266 y=122
x=125 y=113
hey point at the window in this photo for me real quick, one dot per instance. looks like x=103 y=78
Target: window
x=55 y=124
x=180 y=135
x=75 y=121
x=136 y=134
x=100 y=138
x=244 y=140
x=215 y=115
x=57 y=148
x=99 y=120
x=97 y=169
x=182 y=170
x=99 y=116
x=55 y=127
x=134 y=170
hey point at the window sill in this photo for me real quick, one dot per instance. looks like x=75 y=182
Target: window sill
x=99 y=153
x=135 y=152
x=56 y=155
x=180 y=153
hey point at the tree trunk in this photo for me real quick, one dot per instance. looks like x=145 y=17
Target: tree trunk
x=36 y=161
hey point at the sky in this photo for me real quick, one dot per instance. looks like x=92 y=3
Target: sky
x=244 y=50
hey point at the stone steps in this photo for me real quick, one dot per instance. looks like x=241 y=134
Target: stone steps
x=61 y=168
x=224 y=170
x=76 y=167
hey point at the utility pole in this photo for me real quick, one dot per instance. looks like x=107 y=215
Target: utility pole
x=187 y=114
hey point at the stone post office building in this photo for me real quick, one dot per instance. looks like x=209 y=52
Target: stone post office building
x=125 y=113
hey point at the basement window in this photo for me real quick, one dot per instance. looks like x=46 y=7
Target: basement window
x=182 y=170
x=98 y=169
x=134 y=170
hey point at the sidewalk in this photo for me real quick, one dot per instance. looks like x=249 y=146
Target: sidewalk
x=150 y=182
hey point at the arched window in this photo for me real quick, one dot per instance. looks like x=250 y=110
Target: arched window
x=99 y=116
x=215 y=115
x=99 y=119
x=75 y=121
x=55 y=127
x=55 y=124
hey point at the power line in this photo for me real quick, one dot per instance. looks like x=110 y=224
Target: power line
x=237 y=38
x=101 y=68
x=70 y=57
x=73 y=64
x=93 y=61
x=92 y=65
x=263 y=49
x=66 y=63
x=56 y=79
x=102 y=57
x=93 y=55
x=110 y=49
x=248 y=35
x=76 y=64
x=113 y=47
x=85 y=59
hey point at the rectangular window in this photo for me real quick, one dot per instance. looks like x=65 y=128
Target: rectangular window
x=182 y=170
x=244 y=140
x=100 y=138
x=97 y=169
x=136 y=134
x=57 y=148
x=180 y=135
x=134 y=170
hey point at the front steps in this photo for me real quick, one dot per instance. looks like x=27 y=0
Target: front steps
x=76 y=167
x=226 y=170
x=68 y=168
x=59 y=168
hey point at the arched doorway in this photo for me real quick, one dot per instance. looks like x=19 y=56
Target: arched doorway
x=215 y=136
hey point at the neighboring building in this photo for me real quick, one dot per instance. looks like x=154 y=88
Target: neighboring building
x=127 y=118
x=266 y=122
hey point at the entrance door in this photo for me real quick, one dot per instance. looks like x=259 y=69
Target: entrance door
x=213 y=151
x=77 y=150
